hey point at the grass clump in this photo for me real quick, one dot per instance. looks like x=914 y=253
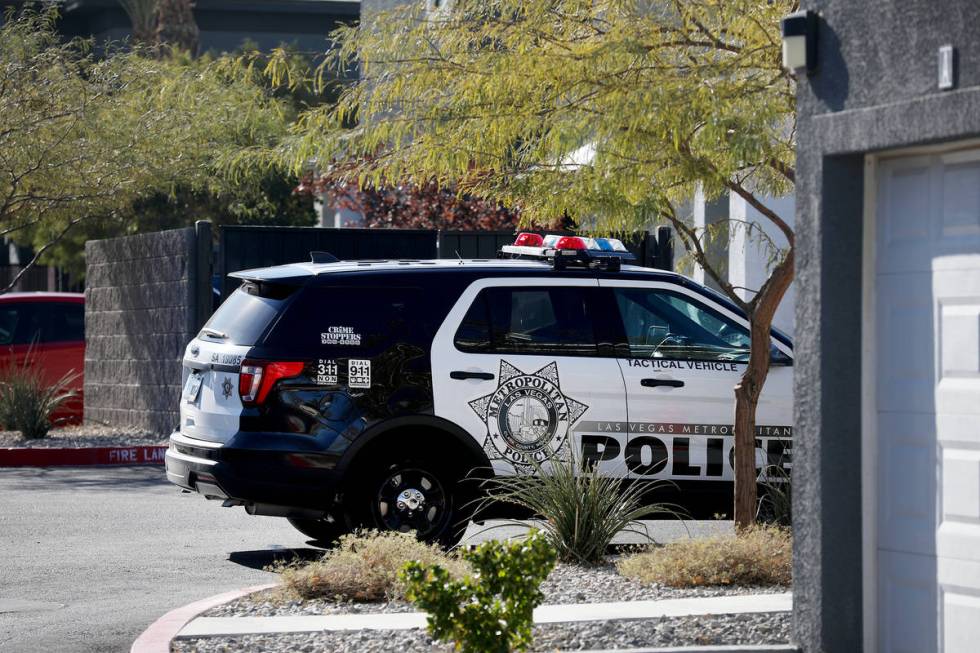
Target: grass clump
x=761 y=555
x=582 y=509
x=363 y=567
x=27 y=402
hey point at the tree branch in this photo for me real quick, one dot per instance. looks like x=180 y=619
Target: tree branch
x=38 y=255
x=691 y=239
x=754 y=202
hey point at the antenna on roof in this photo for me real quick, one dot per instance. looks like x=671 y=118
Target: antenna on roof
x=459 y=257
x=323 y=257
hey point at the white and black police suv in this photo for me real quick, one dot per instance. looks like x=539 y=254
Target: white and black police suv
x=361 y=393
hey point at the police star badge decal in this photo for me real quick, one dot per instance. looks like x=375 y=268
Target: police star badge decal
x=227 y=387
x=527 y=416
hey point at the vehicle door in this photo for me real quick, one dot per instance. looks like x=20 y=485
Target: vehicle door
x=517 y=364
x=685 y=353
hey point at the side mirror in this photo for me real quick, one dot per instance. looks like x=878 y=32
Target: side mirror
x=777 y=357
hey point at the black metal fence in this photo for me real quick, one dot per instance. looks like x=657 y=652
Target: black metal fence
x=245 y=247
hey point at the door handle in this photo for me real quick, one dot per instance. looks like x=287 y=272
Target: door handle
x=653 y=383
x=460 y=375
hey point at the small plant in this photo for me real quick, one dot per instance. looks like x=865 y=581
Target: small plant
x=491 y=611
x=364 y=567
x=760 y=555
x=582 y=510
x=27 y=402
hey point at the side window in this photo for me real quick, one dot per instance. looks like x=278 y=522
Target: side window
x=40 y=322
x=62 y=322
x=662 y=324
x=347 y=320
x=473 y=333
x=516 y=320
x=9 y=317
x=74 y=321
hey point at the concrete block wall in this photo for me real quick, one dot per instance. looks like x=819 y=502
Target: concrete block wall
x=140 y=311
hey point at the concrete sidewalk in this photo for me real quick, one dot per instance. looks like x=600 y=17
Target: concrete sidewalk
x=577 y=612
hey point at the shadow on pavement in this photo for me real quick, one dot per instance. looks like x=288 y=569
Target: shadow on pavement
x=262 y=558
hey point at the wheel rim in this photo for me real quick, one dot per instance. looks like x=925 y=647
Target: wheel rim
x=411 y=499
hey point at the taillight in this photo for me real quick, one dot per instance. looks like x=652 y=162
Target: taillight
x=570 y=242
x=256 y=378
x=529 y=240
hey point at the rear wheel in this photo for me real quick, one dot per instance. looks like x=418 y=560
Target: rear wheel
x=323 y=531
x=413 y=495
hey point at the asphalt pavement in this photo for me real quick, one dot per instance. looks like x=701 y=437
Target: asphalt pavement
x=92 y=556
x=89 y=557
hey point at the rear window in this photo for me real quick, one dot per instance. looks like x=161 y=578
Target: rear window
x=243 y=317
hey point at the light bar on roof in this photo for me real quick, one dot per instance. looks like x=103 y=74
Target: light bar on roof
x=574 y=249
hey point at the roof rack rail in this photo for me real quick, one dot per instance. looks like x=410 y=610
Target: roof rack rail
x=565 y=252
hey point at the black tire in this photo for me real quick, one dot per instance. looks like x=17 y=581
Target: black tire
x=412 y=494
x=322 y=531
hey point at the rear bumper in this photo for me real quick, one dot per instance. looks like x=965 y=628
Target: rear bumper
x=268 y=480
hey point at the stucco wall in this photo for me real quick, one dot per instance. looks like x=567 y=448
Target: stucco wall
x=140 y=312
x=875 y=88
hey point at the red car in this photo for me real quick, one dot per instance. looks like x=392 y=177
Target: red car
x=54 y=323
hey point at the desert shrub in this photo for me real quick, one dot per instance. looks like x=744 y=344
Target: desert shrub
x=491 y=611
x=27 y=401
x=582 y=510
x=761 y=555
x=776 y=498
x=364 y=567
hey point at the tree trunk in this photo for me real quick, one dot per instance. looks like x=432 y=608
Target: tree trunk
x=763 y=308
x=176 y=27
x=746 y=399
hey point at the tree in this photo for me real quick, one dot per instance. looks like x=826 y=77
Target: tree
x=85 y=138
x=611 y=111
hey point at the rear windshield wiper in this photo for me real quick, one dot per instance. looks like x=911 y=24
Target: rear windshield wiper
x=214 y=333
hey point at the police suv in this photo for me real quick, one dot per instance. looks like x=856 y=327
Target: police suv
x=362 y=393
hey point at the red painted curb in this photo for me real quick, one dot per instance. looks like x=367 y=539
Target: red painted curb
x=55 y=457
x=156 y=638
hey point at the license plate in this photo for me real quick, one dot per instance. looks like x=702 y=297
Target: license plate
x=193 y=387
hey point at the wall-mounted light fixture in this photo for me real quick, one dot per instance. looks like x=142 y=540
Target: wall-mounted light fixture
x=800 y=42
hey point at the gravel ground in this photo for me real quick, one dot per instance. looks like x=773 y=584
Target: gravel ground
x=762 y=628
x=566 y=584
x=85 y=435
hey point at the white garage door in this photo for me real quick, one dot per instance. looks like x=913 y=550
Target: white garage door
x=926 y=352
